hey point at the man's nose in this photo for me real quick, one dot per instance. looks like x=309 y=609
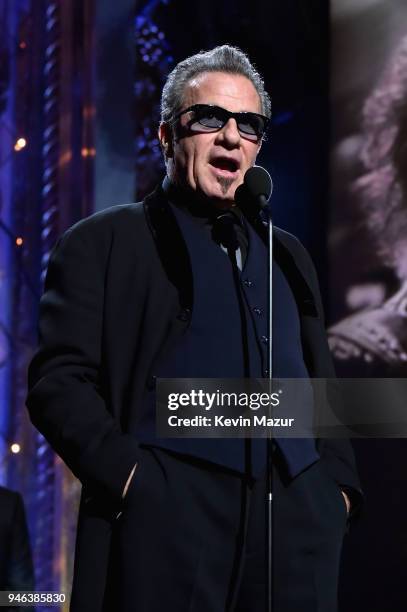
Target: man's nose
x=229 y=135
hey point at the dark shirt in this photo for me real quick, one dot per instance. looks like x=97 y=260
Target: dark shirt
x=226 y=227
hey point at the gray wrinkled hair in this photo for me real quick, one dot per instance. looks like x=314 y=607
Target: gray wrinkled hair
x=220 y=59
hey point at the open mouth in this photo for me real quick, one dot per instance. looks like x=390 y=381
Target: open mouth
x=225 y=165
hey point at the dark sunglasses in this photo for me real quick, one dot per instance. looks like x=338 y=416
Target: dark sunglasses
x=209 y=118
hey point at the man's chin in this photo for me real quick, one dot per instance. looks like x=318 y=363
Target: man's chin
x=223 y=192
x=226 y=186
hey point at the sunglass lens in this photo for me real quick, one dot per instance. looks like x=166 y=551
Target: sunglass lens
x=252 y=125
x=211 y=118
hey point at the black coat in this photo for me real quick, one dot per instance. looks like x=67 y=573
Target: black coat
x=16 y=567
x=115 y=285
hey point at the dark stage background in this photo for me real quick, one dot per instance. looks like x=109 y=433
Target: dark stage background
x=79 y=93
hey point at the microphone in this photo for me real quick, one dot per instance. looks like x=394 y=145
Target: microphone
x=254 y=193
x=259 y=185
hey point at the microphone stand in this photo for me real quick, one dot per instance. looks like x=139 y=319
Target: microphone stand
x=252 y=213
x=269 y=479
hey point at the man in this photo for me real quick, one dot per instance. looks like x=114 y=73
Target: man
x=16 y=567
x=156 y=290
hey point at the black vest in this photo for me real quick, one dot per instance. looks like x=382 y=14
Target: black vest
x=227 y=338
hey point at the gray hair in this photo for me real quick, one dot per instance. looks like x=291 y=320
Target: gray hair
x=220 y=59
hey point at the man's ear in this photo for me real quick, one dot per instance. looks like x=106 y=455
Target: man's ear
x=165 y=136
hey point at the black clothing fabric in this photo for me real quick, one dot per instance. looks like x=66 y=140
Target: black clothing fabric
x=191 y=538
x=16 y=566
x=225 y=339
x=226 y=227
x=118 y=287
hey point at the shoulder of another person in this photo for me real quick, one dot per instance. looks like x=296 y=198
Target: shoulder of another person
x=8 y=494
x=8 y=501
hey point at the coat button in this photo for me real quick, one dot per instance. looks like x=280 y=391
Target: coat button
x=257 y=311
x=184 y=315
x=265 y=339
x=247 y=282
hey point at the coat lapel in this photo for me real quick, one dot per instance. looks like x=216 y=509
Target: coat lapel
x=175 y=259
